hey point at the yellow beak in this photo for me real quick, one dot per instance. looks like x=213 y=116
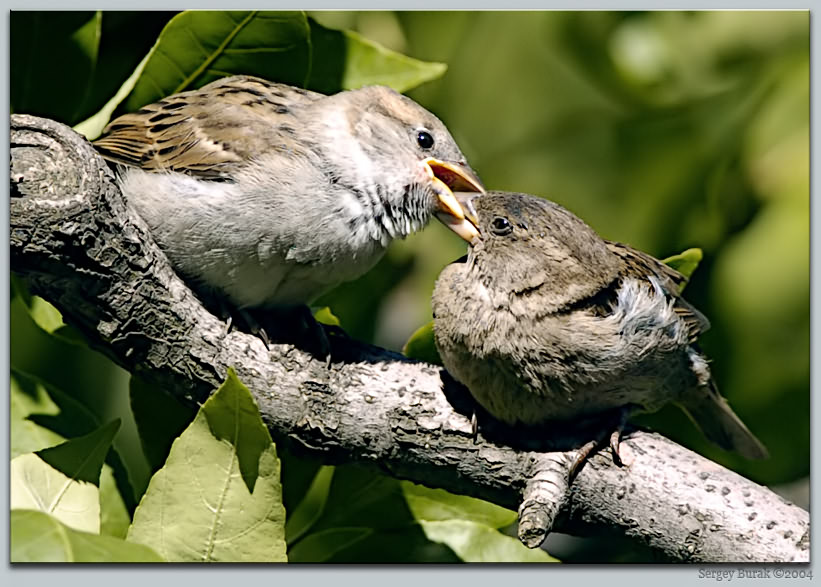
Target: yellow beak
x=455 y=211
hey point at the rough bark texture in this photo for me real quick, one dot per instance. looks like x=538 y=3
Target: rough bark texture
x=77 y=244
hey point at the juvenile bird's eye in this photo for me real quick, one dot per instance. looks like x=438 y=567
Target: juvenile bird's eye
x=424 y=139
x=501 y=226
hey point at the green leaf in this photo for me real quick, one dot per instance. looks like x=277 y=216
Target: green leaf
x=48 y=318
x=199 y=46
x=476 y=543
x=92 y=127
x=114 y=515
x=323 y=546
x=310 y=508
x=159 y=417
x=298 y=474
x=126 y=39
x=39 y=538
x=52 y=50
x=364 y=519
x=325 y=316
x=45 y=315
x=218 y=497
x=35 y=485
x=83 y=384
x=469 y=526
x=436 y=505
x=27 y=436
x=233 y=417
x=685 y=262
x=422 y=346
x=82 y=458
x=18 y=288
x=70 y=419
x=346 y=60
x=64 y=480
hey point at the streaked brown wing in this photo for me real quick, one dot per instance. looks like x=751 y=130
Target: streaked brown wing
x=207 y=132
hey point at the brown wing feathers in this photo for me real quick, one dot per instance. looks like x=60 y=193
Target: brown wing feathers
x=204 y=132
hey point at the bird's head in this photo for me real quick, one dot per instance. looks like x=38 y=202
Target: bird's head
x=527 y=243
x=398 y=153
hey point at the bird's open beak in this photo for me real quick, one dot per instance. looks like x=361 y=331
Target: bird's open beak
x=455 y=210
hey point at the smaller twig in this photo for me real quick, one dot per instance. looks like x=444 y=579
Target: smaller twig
x=544 y=496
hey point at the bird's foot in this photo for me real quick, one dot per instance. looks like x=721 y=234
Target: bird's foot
x=255 y=328
x=614 y=440
x=247 y=320
x=314 y=336
x=615 y=436
x=581 y=456
x=295 y=326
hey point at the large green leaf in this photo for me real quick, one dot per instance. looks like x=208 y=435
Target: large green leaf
x=63 y=480
x=346 y=60
x=199 y=46
x=52 y=54
x=470 y=527
x=218 y=497
x=37 y=537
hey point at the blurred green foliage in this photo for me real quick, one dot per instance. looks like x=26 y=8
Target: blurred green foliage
x=665 y=130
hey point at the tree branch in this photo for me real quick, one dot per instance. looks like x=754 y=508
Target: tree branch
x=77 y=244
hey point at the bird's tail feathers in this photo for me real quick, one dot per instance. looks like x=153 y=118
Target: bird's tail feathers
x=714 y=416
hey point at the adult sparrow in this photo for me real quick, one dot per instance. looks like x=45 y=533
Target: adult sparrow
x=268 y=195
x=546 y=321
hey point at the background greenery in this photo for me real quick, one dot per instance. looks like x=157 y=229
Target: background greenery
x=665 y=130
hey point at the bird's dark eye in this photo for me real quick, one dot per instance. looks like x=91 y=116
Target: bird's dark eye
x=424 y=139
x=501 y=226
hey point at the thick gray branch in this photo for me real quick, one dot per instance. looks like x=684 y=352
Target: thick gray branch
x=77 y=245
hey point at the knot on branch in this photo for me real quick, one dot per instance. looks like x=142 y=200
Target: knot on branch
x=51 y=162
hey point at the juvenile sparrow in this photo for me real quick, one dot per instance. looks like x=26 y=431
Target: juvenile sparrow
x=546 y=321
x=268 y=195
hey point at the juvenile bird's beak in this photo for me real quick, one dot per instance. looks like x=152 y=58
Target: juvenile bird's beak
x=455 y=210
